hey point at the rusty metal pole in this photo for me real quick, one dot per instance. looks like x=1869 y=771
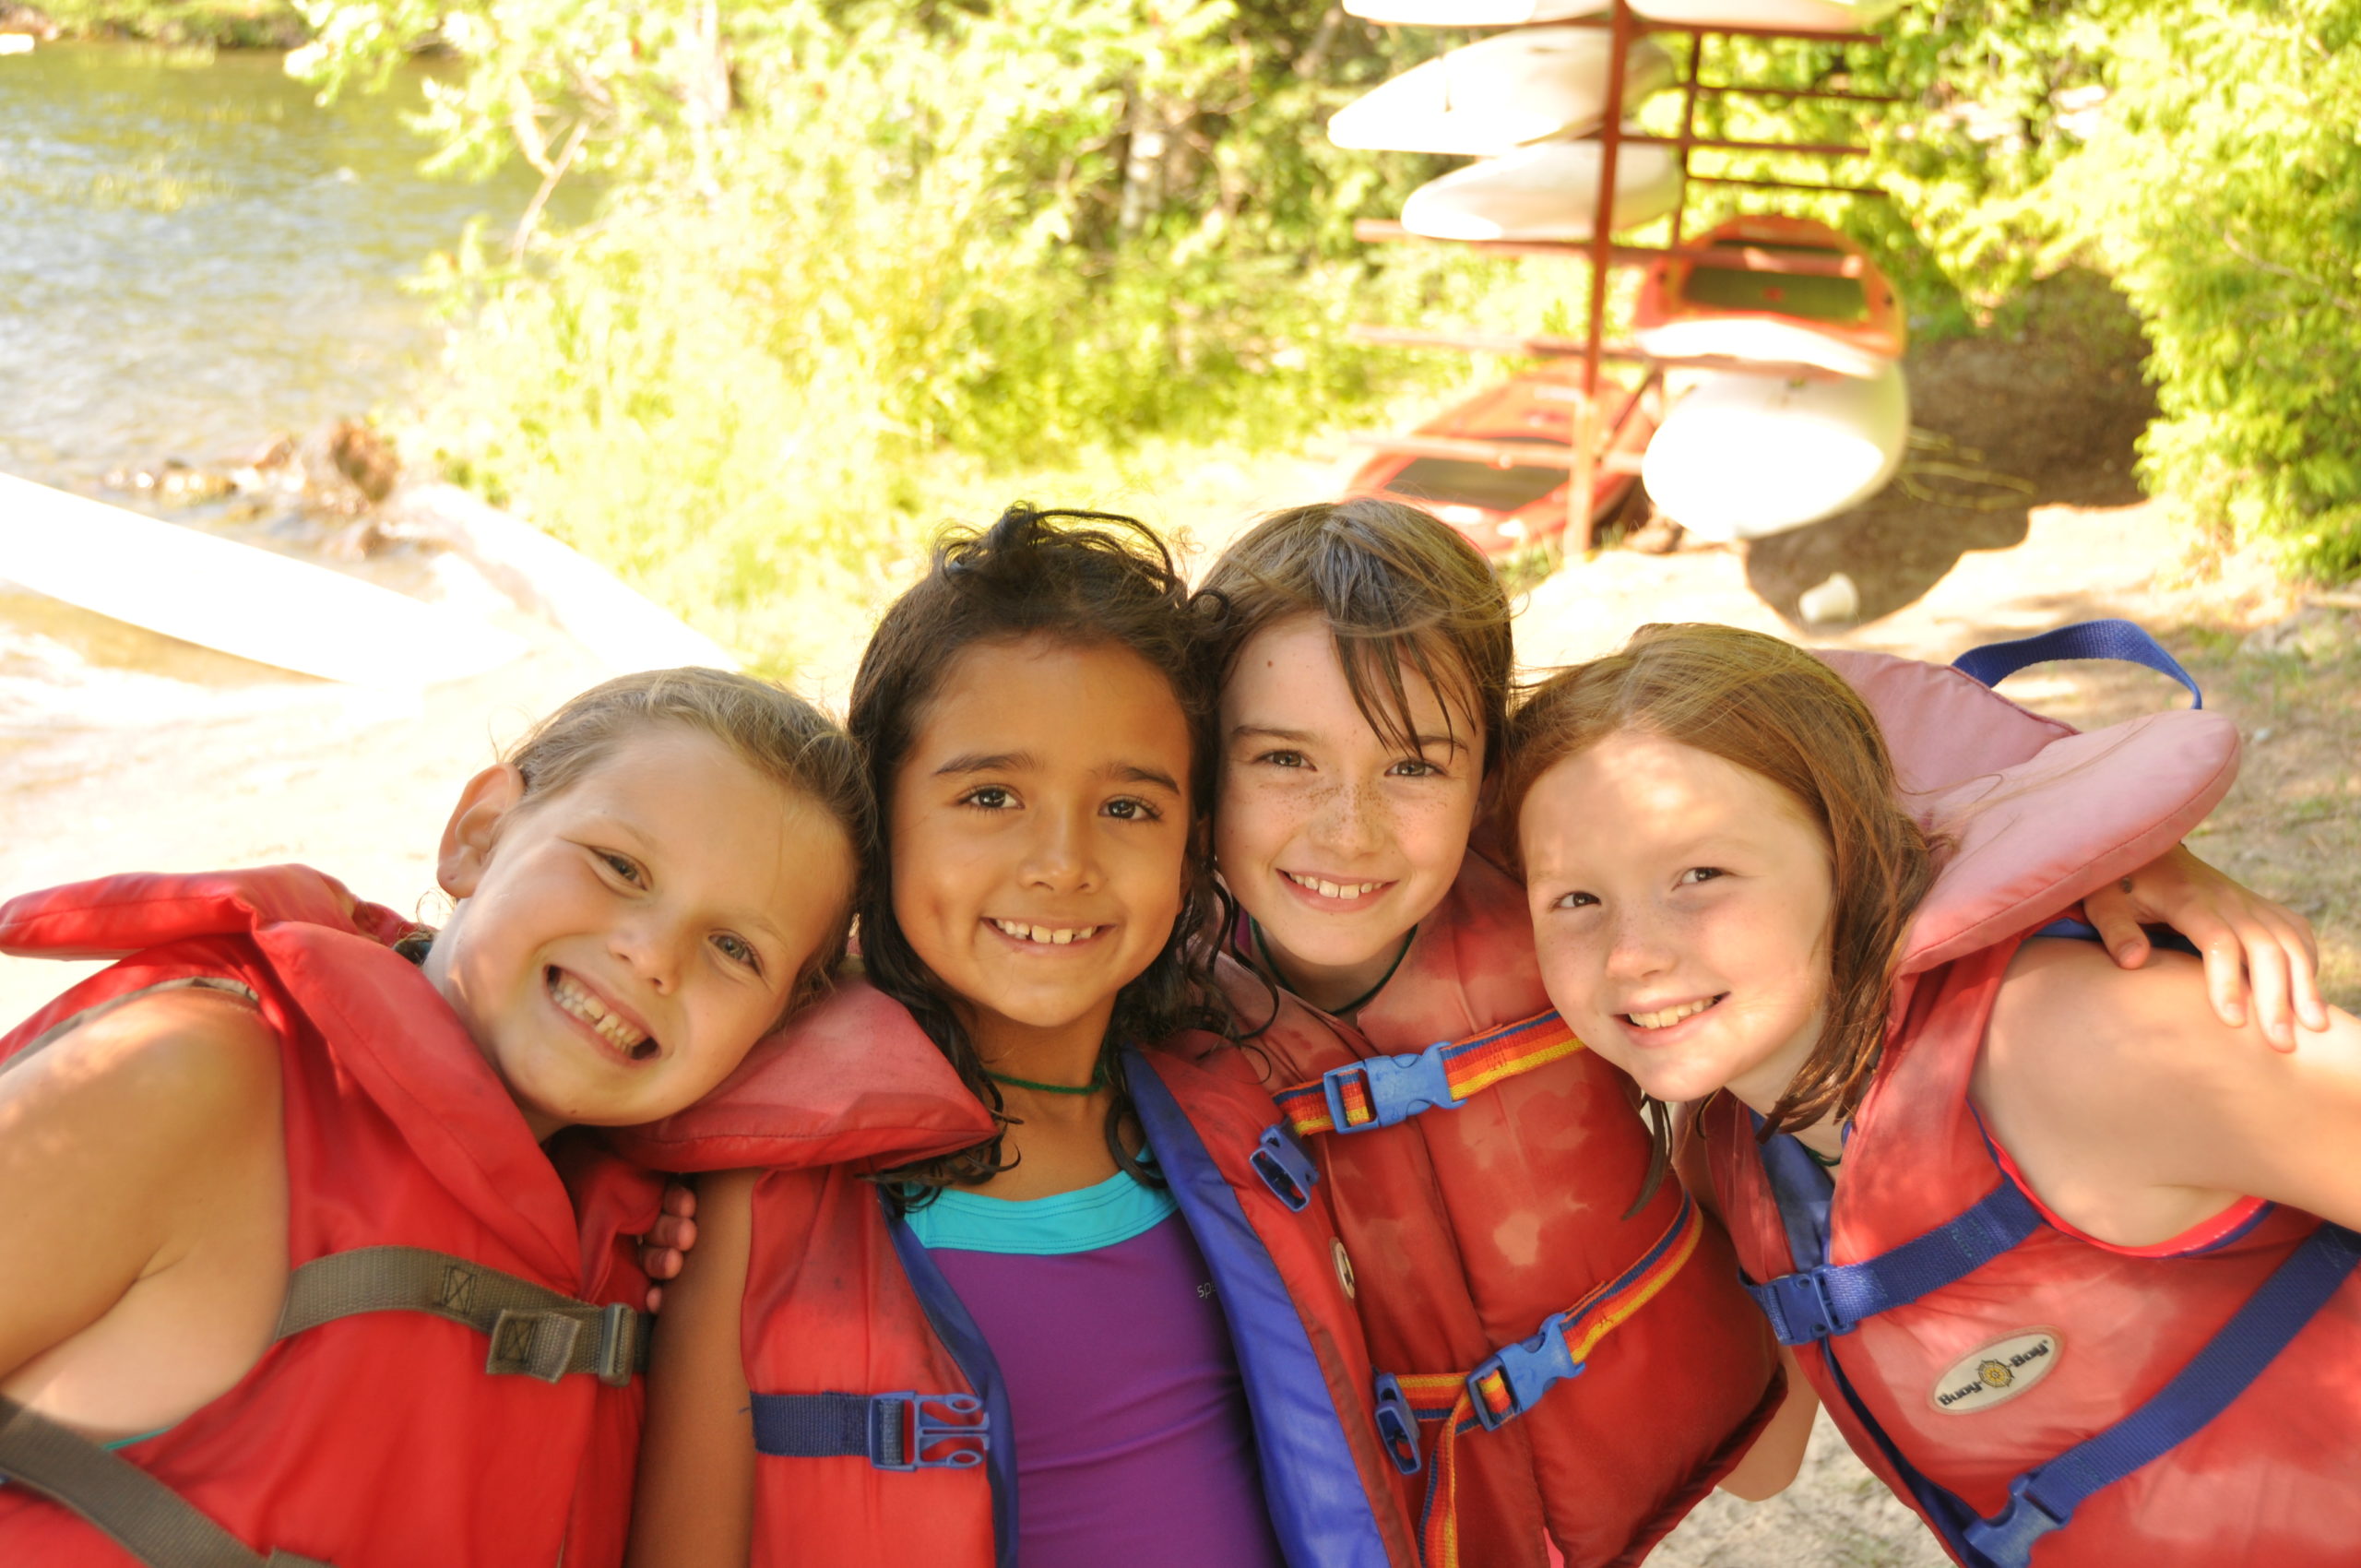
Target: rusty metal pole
x=1602 y=249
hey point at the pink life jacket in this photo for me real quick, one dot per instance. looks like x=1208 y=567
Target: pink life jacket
x=881 y=1425
x=379 y=1437
x=2039 y=1396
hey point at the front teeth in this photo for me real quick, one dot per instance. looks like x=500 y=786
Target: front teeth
x=1053 y=936
x=1671 y=1015
x=571 y=995
x=1333 y=889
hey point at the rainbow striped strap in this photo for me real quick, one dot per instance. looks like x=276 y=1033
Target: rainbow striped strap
x=1384 y=1090
x=1510 y=1382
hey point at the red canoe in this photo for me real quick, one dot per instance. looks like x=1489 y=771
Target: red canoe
x=1505 y=508
x=1842 y=317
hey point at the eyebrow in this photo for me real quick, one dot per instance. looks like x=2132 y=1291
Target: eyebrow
x=1132 y=773
x=988 y=762
x=1266 y=732
x=1021 y=762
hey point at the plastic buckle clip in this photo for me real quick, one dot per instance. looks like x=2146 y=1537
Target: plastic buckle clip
x=1397 y=1425
x=1527 y=1370
x=532 y=1342
x=2007 y=1538
x=902 y=1433
x=1398 y=1087
x=622 y=1337
x=1801 y=1309
x=1285 y=1165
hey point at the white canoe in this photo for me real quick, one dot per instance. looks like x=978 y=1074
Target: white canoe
x=1802 y=16
x=201 y=588
x=1496 y=95
x=1471 y=13
x=1546 y=192
x=1742 y=455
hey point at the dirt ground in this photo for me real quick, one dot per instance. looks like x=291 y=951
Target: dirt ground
x=119 y=750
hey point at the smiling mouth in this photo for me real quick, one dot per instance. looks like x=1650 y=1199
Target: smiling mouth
x=1043 y=935
x=1665 y=1018
x=1343 y=892
x=575 y=999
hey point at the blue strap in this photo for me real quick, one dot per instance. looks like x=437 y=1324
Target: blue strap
x=2163 y=937
x=1816 y=1304
x=893 y=1431
x=2045 y=1497
x=1994 y=662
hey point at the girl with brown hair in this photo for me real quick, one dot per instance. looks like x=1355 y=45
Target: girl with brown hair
x=2068 y=1267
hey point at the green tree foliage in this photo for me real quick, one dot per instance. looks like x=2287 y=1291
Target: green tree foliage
x=859 y=264
x=2222 y=189
x=858 y=260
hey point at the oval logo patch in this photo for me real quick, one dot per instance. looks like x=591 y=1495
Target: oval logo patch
x=1996 y=1373
x=1344 y=1269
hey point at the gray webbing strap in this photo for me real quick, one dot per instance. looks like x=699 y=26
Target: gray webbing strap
x=142 y=1515
x=534 y=1331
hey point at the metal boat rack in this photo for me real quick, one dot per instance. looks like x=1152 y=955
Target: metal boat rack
x=1591 y=452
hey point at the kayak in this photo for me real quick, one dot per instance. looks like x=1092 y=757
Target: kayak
x=258 y=605
x=1498 y=94
x=1850 y=324
x=1471 y=13
x=1504 y=510
x=1546 y=192
x=1801 y=15
x=1740 y=456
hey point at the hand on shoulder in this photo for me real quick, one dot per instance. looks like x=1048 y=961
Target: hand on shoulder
x=2135 y=1113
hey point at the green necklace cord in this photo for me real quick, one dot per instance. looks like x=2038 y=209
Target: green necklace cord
x=1823 y=1161
x=1270 y=966
x=1097 y=1082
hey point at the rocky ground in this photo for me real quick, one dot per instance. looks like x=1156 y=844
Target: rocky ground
x=120 y=750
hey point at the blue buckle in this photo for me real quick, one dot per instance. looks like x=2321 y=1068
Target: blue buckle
x=1285 y=1165
x=1800 y=1308
x=1529 y=1368
x=2007 y=1538
x=1397 y=1424
x=1399 y=1088
x=901 y=1433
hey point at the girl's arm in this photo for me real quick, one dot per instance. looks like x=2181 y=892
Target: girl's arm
x=2120 y=1097
x=694 y=1506
x=2245 y=937
x=119 y=1143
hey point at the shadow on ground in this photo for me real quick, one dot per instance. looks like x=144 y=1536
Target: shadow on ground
x=2058 y=404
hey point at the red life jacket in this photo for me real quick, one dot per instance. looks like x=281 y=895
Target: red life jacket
x=1475 y=1227
x=2040 y=1396
x=880 y=1418
x=1495 y=1236
x=375 y=1439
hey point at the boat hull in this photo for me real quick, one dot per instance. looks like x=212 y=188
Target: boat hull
x=1546 y=192
x=216 y=592
x=1850 y=324
x=1504 y=511
x=1741 y=455
x=1499 y=95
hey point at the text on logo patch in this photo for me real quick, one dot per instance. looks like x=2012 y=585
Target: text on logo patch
x=1997 y=1373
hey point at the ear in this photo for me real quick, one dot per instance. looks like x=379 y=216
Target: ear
x=475 y=822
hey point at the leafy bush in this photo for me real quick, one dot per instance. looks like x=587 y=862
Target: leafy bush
x=896 y=287
x=863 y=261
x=2224 y=191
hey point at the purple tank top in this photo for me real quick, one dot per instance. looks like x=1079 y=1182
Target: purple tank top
x=1134 y=1445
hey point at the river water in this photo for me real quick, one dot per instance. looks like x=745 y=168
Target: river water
x=194 y=254
x=194 y=257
